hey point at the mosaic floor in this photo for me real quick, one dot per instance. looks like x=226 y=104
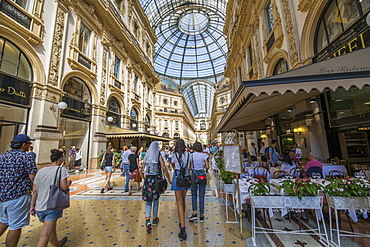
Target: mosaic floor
x=117 y=219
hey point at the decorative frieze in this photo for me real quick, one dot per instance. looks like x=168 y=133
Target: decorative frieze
x=291 y=33
x=304 y=5
x=43 y=132
x=44 y=94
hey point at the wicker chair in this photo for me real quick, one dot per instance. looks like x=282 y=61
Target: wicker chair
x=337 y=174
x=280 y=173
x=261 y=172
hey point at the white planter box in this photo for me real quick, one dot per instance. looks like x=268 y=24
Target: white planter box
x=307 y=202
x=229 y=188
x=344 y=203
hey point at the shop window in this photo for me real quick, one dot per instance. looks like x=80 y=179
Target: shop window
x=338 y=16
x=13 y=61
x=84 y=39
x=76 y=88
x=269 y=18
x=281 y=67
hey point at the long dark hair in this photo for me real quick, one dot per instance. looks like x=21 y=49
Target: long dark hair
x=55 y=155
x=287 y=159
x=180 y=148
x=109 y=150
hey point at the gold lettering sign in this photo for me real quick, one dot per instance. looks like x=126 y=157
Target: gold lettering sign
x=12 y=91
x=354 y=44
x=361 y=112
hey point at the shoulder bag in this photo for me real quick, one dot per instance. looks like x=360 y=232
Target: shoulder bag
x=160 y=183
x=183 y=180
x=58 y=199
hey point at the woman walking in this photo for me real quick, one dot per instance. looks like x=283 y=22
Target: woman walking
x=133 y=161
x=109 y=168
x=199 y=166
x=180 y=159
x=40 y=196
x=152 y=169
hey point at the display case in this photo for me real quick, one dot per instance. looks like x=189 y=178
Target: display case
x=354 y=147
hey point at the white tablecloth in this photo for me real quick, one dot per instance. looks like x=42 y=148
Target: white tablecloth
x=326 y=168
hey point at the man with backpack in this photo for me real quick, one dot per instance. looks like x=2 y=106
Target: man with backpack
x=272 y=154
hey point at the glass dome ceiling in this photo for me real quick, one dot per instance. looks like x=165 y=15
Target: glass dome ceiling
x=190 y=46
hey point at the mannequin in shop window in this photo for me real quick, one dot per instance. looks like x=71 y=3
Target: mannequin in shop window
x=71 y=157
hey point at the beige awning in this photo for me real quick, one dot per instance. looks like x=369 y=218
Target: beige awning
x=115 y=132
x=78 y=134
x=259 y=99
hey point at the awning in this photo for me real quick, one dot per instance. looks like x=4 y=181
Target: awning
x=78 y=134
x=257 y=100
x=115 y=132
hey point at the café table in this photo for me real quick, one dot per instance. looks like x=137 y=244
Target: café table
x=327 y=167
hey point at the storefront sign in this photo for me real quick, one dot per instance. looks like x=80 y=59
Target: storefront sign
x=353 y=39
x=14 y=90
x=77 y=109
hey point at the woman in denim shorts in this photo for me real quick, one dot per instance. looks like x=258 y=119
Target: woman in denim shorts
x=109 y=167
x=40 y=196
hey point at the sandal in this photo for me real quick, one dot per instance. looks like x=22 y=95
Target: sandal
x=130 y=193
x=63 y=241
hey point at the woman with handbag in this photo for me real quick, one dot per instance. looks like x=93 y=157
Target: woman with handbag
x=198 y=180
x=108 y=164
x=133 y=161
x=181 y=181
x=154 y=183
x=40 y=197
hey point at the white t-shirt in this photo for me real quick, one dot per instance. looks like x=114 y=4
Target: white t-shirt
x=185 y=156
x=79 y=155
x=44 y=178
x=262 y=151
x=298 y=151
x=198 y=161
x=252 y=151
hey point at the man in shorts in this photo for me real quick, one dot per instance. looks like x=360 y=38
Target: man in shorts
x=17 y=171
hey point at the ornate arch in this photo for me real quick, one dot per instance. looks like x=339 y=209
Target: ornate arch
x=309 y=29
x=37 y=66
x=274 y=59
x=120 y=101
x=87 y=80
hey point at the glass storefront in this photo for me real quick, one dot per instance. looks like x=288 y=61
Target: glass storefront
x=74 y=122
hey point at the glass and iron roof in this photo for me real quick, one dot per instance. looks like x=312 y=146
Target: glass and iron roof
x=191 y=46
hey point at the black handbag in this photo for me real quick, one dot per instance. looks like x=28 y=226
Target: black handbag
x=161 y=183
x=58 y=199
x=183 y=180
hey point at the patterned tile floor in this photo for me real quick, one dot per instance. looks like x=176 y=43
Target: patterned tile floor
x=116 y=219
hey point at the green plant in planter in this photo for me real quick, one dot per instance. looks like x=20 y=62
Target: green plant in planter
x=300 y=187
x=219 y=163
x=261 y=188
x=227 y=177
x=348 y=187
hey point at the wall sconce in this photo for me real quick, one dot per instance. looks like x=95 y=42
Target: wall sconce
x=298 y=131
x=264 y=136
x=108 y=119
x=61 y=106
x=148 y=129
x=133 y=125
x=312 y=101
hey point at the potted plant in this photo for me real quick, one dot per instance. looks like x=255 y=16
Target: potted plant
x=348 y=193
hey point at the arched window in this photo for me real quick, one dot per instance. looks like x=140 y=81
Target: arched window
x=134 y=119
x=114 y=111
x=176 y=136
x=165 y=134
x=77 y=89
x=336 y=18
x=203 y=125
x=281 y=67
x=13 y=61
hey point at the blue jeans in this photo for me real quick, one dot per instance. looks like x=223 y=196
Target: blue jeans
x=127 y=173
x=149 y=209
x=194 y=191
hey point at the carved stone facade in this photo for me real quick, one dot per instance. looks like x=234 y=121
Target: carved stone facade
x=290 y=30
x=57 y=48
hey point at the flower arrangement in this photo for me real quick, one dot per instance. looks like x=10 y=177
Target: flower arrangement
x=348 y=187
x=260 y=187
x=300 y=187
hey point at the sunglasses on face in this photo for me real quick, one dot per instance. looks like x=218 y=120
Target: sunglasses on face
x=28 y=142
